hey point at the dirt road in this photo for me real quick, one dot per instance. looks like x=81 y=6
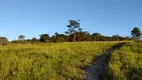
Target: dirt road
x=98 y=70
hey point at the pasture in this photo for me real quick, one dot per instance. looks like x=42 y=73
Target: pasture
x=67 y=61
x=50 y=61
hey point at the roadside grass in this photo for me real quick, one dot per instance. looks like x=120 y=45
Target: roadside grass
x=126 y=62
x=51 y=61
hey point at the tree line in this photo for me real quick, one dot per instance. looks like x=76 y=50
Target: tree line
x=80 y=36
x=74 y=34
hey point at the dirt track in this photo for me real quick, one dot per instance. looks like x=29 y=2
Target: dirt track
x=97 y=70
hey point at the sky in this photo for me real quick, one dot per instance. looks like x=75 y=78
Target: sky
x=34 y=17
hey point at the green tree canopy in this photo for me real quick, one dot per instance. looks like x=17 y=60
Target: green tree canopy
x=3 y=41
x=21 y=37
x=74 y=26
x=136 y=33
x=44 y=38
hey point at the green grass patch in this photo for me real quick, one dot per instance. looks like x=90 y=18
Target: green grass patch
x=52 y=61
x=126 y=62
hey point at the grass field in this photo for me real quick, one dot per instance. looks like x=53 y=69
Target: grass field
x=126 y=62
x=51 y=61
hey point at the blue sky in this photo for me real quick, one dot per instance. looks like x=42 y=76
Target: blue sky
x=34 y=17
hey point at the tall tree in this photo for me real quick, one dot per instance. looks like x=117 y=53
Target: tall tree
x=21 y=37
x=136 y=33
x=74 y=26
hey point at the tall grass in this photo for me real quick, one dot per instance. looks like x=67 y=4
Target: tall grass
x=126 y=62
x=52 y=61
